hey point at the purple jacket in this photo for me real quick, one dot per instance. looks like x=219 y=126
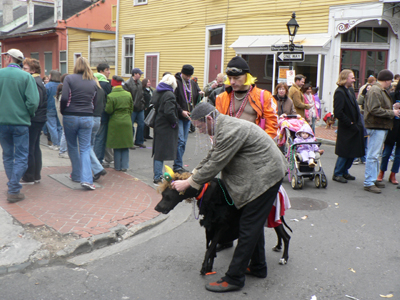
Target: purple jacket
x=305 y=128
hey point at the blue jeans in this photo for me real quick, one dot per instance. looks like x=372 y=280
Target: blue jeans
x=157 y=169
x=121 y=159
x=313 y=119
x=387 y=151
x=96 y=165
x=63 y=143
x=138 y=117
x=54 y=127
x=15 y=143
x=79 y=129
x=100 y=142
x=342 y=166
x=184 y=126
x=376 y=139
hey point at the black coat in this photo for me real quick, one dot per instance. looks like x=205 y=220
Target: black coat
x=393 y=135
x=41 y=112
x=350 y=133
x=165 y=140
x=180 y=95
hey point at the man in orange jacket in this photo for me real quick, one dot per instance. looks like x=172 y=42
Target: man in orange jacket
x=243 y=99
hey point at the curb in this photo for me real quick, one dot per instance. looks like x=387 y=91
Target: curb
x=326 y=142
x=117 y=234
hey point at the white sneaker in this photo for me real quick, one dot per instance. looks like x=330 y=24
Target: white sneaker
x=55 y=147
x=63 y=155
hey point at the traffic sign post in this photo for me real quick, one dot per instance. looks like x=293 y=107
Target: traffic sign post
x=289 y=56
x=279 y=47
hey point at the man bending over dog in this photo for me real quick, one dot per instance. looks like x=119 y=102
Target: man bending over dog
x=252 y=168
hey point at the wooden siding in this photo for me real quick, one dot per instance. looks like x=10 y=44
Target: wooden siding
x=102 y=52
x=77 y=43
x=177 y=30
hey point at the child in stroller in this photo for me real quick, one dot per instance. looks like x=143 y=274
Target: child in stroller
x=307 y=151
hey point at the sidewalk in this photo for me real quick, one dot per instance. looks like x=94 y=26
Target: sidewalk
x=327 y=136
x=58 y=212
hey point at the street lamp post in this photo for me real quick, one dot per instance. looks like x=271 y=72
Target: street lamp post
x=292 y=27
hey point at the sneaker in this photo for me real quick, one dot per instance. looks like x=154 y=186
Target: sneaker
x=349 y=177
x=63 y=155
x=340 y=179
x=55 y=147
x=105 y=164
x=133 y=148
x=88 y=186
x=222 y=286
x=379 y=184
x=101 y=173
x=140 y=145
x=250 y=272
x=157 y=181
x=124 y=170
x=37 y=181
x=12 y=198
x=148 y=137
x=181 y=170
x=23 y=182
x=357 y=161
x=372 y=189
x=49 y=143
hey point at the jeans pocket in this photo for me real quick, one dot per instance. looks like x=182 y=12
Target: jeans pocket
x=21 y=130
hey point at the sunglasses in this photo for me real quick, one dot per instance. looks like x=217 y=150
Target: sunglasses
x=234 y=70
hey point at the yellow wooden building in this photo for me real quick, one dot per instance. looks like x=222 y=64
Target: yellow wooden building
x=95 y=45
x=162 y=35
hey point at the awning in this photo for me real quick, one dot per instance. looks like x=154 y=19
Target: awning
x=261 y=44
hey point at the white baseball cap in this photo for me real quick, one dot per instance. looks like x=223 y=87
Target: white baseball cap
x=15 y=53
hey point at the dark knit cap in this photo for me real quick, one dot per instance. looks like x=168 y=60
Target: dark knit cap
x=201 y=110
x=187 y=70
x=385 y=75
x=116 y=80
x=239 y=63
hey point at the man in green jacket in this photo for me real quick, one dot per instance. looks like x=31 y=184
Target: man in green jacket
x=19 y=99
x=252 y=167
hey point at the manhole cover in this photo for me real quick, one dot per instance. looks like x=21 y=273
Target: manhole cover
x=305 y=203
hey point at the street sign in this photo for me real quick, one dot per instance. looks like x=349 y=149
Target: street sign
x=298 y=47
x=290 y=56
x=279 y=47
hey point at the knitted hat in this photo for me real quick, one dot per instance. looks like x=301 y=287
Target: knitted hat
x=201 y=110
x=116 y=80
x=385 y=75
x=187 y=70
x=240 y=64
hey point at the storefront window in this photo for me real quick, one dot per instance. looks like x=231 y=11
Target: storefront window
x=261 y=66
x=366 y=35
x=308 y=68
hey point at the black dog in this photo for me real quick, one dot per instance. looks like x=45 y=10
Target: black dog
x=221 y=219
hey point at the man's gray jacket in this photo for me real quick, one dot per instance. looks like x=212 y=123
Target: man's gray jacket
x=136 y=90
x=247 y=157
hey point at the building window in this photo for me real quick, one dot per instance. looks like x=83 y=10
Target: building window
x=35 y=55
x=114 y=16
x=76 y=56
x=128 y=48
x=139 y=2
x=366 y=35
x=151 y=67
x=215 y=37
x=63 y=62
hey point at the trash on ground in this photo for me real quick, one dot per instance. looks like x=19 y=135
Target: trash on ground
x=294 y=220
x=305 y=217
x=351 y=269
x=313 y=297
x=351 y=297
x=386 y=296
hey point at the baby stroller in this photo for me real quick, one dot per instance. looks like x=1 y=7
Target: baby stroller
x=298 y=170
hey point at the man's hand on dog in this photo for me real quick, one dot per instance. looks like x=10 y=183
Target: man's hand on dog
x=180 y=185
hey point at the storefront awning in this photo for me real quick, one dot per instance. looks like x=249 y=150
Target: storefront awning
x=261 y=44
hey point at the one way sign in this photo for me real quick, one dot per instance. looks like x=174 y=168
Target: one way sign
x=289 y=56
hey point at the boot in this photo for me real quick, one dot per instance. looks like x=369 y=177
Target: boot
x=380 y=176
x=392 y=178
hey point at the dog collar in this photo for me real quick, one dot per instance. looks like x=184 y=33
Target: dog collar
x=205 y=186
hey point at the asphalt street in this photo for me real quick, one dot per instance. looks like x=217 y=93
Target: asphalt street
x=345 y=241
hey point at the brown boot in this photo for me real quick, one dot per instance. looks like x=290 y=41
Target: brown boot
x=380 y=176
x=392 y=178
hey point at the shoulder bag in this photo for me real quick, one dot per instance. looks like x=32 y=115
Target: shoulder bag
x=262 y=119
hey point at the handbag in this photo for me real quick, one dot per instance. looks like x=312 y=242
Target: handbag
x=151 y=117
x=262 y=119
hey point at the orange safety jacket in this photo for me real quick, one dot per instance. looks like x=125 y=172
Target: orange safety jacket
x=270 y=108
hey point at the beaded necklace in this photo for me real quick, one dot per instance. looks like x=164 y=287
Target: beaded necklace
x=187 y=89
x=232 y=109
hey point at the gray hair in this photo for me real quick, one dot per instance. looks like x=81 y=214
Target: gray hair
x=170 y=80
